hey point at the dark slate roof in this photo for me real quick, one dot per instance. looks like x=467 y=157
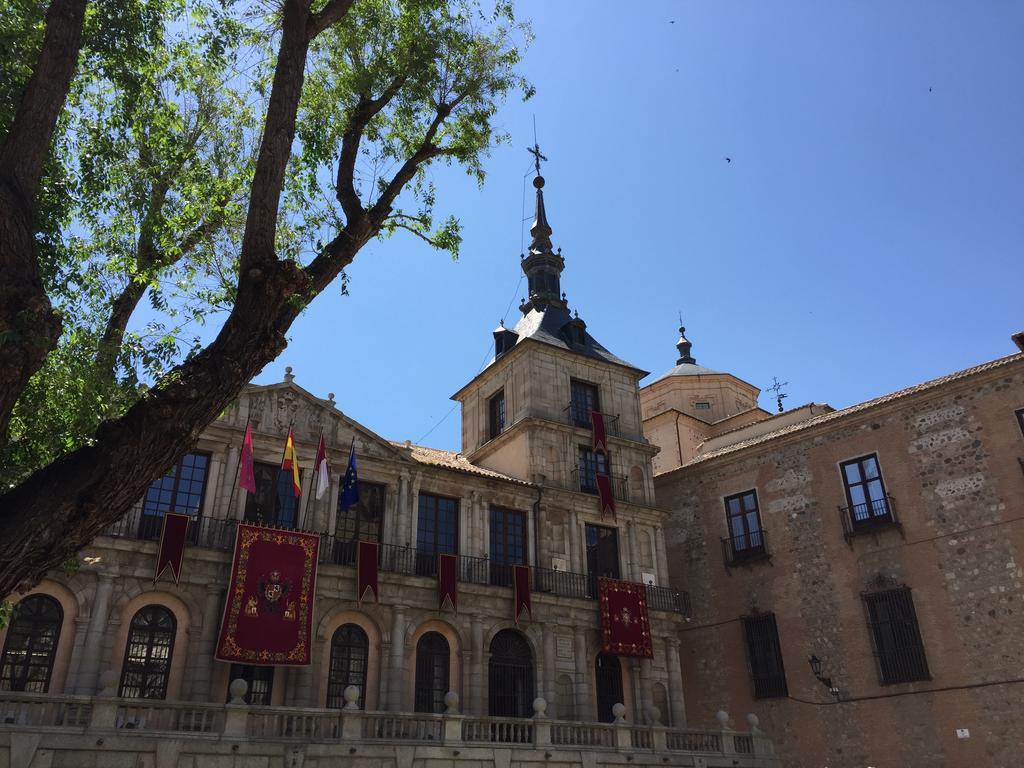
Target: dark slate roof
x=687 y=369
x=550 y=326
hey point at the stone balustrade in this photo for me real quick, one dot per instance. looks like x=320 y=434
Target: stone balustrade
x=77 y=725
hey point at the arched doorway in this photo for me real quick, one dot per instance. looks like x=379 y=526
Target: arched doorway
x=510 y=676
x=432 y=655
x=608 y=674
x=27 y=660
x=350 y=651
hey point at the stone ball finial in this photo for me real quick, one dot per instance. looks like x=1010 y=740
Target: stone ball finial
x=722 y=717
x=238 y=689
x=330 y=397
x=108 y=683
x=540 y=706
x=351 y=695
x=538 y=182
x=752 y=721
x=619 y=711
x=654 y=715
x=451 y=703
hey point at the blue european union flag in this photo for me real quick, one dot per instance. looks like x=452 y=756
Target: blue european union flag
x=350 y=488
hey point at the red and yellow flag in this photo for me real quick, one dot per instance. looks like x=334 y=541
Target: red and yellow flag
x=290 y=462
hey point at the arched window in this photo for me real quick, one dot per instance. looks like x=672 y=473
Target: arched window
x=565 y=698
x=27 y=661
x=350 y=649
x=510 y=676
x=661 y=702
x=608 y=674
x=147 y=657
x=431 y=672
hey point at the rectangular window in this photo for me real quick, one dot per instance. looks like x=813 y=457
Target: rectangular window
x=746 y=539
x=896 y=636
x=260 y=680
x=180 y=490
x=865 y=492
x=702 y=405
x=362 y=521
x=602 y=554
x=496 y=414
x=765 y=655
x=274 y=502
x=1020 y=420
x=582 y=400
x=508 y=544
x=589 y=464
x=437 y=532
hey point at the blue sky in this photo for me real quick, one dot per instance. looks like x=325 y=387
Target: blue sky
x=867 y=234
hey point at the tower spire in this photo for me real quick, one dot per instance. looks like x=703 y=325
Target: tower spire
x=684 y=345
x=543 y=267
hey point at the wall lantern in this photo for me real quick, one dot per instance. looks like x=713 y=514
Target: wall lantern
x=815 y=663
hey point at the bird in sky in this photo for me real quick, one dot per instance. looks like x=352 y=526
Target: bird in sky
x=728 y=159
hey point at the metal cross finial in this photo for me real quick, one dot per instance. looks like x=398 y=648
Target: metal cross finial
x=776 y=387
x=537 y=156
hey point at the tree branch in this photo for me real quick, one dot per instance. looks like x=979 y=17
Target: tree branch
x=330 y=14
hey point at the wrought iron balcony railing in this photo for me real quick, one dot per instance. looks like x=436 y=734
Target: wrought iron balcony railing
x=869 y=517
x=578 y=415
x=586 y=482
x=745 y=548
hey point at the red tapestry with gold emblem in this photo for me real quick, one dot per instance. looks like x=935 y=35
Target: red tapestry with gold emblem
x=625 y=628
x=268 y=618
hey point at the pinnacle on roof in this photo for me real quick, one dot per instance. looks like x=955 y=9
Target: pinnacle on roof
x=684 y=345
x=542 y=266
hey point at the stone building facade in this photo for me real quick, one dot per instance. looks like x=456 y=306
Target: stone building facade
x=137 y=655
x=883 y=541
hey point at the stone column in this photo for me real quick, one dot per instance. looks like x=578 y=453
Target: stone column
x=632 y=569
x=200 y=661
x=300 y=680
x=397 y=670
x=75 y=667
x=543 y=553
x=660 y=557
x=646 y=700
x=548 y=647
x=400 y=527
x=584 y=708
x=576 y=545
x=89 y=670
x=675 y=684
x=476 y=673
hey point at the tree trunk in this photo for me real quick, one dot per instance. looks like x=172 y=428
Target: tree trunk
x=29 y=327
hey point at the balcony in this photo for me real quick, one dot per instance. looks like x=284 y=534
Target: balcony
x=586 y=482
x=78 y=729
x=578 y=415
x=214 y=533
x=870 y=517
x=745 y=548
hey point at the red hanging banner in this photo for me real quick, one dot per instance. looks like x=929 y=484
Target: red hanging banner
x=600 y=437
x=521 y=591
x=604 y=494
x=625 y=628
x=171 y=552
x=448 y=582
x=366 y=570
x=268 y=617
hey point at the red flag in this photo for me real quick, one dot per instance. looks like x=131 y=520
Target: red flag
x=625 y=628
x=521 y=591
x=447 y=581
x=600 y=437
x=171 y=552
x=604 y=492
x=268 y=616
x=366 y=570
x=247 y=475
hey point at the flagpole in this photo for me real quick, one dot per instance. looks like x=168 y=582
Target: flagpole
x=284 y=453
x=238 y=470
x=312 y=479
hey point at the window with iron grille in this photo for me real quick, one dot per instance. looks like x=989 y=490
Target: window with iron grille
x=274 y=502
x=765 y=655
x=590 y=464
x=30 y=646
x=865 y=491
x=582 y=400
x=432 y=658
x=361 y=521
x=437 y=532
x=510 y=676
x=895 y=636
x=350 y=651
x=181 y=490
x=147 y=657
x=1020 y=420
x=508 y=544
x=744 y=522
x=496 y=414
x=260 y=680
